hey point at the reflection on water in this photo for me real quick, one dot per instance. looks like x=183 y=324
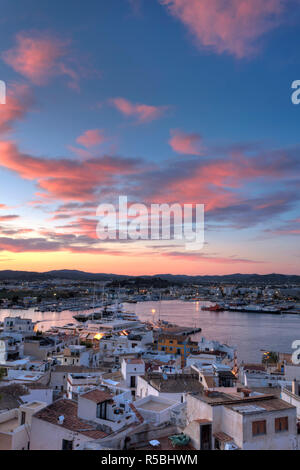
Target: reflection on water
x=250 y=332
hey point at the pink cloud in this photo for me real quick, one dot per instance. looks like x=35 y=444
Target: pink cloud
x=231 y=26
x=91 y=138
x=14 y=231
x=142 y=112
x=6 y=218
x=82 y=153
x=66 y=179
x=38 y=57
x=18 y=102
x=216 y=182
x=187 y=144
x=18 y=245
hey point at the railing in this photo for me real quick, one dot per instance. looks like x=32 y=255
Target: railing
x=290 y=394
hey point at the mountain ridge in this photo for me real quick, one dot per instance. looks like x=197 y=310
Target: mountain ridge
x=69 y=274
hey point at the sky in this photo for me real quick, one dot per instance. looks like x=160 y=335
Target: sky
x=162 y=101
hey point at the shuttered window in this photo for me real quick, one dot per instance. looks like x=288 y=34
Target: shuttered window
x=281 y=424
x=259 y=428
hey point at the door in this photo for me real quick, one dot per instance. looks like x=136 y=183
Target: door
x=132 y=381
x=67 y=445
x=205 y=440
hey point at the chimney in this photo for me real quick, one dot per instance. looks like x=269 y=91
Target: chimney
x=295 y=387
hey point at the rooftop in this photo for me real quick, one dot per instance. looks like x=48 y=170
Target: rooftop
x=98 y=396
x=68 y=409
x=134 y=361
x=78 y=369
x=153 y=405
x=9 y=426
x=174 y=383
x=244 y=405
x=261 y=406
x=222 y=436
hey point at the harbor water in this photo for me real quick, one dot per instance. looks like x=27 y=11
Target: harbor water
x=249 y=332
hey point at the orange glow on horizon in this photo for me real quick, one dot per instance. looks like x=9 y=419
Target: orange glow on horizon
x=135 y=265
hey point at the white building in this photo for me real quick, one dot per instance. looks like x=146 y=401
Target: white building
x=211 y=346
x=291 y=394
x=156 y=410
x=77 y=355
x=59 y=375
x=216 y=420
x=292 y=371
x=78 y=382
x=15 y=426
x=11 y=347
x=20 y=325
x=58 y=427
x=168 y=386
x=109 y=410
x=131 y=369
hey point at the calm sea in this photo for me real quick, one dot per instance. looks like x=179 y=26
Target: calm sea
x=249 y=332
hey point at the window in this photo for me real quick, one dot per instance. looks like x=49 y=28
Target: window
x=259 y=428
x=281 y=424
x=67 y=445
x=23 y=418
x=102 y=410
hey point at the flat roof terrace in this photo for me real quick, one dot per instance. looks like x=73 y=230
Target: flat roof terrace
x=152 y=405
x=9 y=426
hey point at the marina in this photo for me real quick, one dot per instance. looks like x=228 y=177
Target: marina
x=248 y=331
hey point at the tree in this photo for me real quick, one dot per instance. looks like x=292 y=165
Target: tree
x=270 y=357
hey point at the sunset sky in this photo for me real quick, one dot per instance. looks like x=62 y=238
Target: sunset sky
x=165 y=101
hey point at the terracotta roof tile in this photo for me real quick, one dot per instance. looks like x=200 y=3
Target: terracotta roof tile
x=98 y=396
x=222 y=436
x=68 y=409
x=137 y=413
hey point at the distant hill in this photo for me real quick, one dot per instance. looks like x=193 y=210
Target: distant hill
x=9 y=275
x=58 y=274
